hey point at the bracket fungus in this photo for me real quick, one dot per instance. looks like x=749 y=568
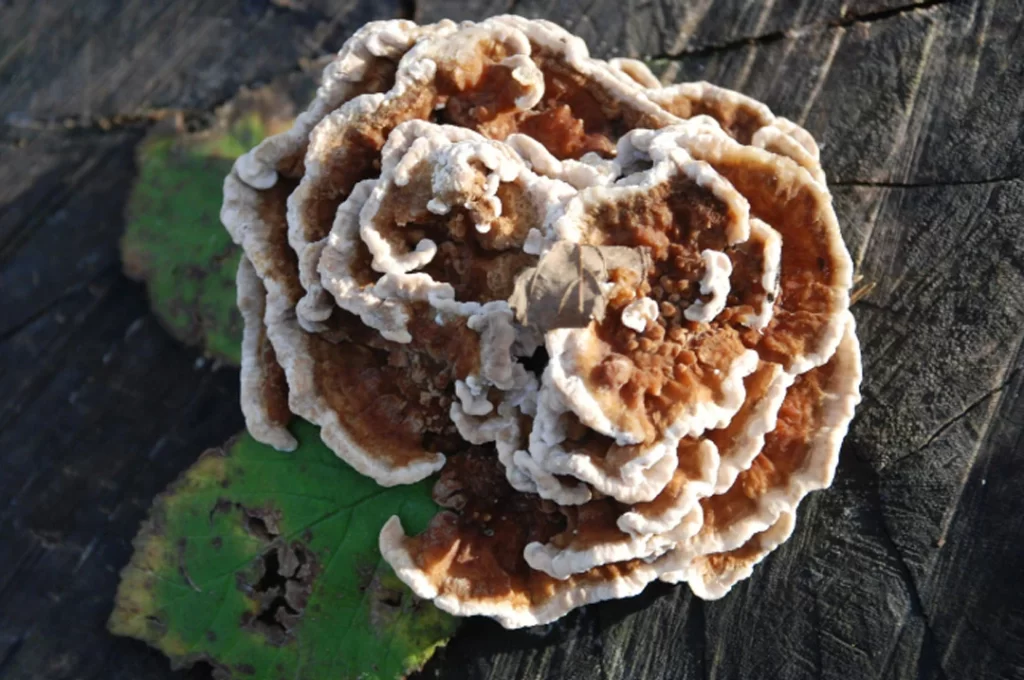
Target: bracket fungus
x=613 y=316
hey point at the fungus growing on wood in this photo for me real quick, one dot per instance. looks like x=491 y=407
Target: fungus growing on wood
x=613 y=316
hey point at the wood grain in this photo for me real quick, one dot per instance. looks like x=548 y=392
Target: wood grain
x=911 y=566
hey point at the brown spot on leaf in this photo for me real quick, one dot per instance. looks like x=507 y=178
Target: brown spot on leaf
x=263 y=523
x=222 y=505
x=157 y=624
x=385 y=601
x=182 y=545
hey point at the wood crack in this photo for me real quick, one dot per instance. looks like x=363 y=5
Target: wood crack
x=798 y=31
x=190 y=120
x=11 y=652
x=707 y=662
x=966 y=411
x=916 y=602
x=297 y=8
x=598 y=642
x=925 y=185
x=31 y=390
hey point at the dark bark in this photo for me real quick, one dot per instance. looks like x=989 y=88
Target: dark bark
x=910 y=566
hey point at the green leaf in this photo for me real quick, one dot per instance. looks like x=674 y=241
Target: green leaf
x=174 y=242
x=173 y=237
x=266 y=565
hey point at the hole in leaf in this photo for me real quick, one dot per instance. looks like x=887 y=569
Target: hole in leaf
x=282 y=589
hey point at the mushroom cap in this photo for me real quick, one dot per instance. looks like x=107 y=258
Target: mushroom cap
x=613 y=316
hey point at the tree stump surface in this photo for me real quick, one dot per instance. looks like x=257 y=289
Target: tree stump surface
x=910 y=566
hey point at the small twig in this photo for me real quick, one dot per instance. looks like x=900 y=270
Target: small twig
x=862 y=292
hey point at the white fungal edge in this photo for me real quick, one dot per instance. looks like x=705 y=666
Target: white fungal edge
x=645 y=535
x=636 y=70
x=590 y=170
x=525 y=470
x=454 y=157
x=554 y=39
x=705 y=91
x=477 y=420
x=315 y=307
x=568 y=595
x=638 y=480
x=517 y=478
x=715 y=282
x=802 y=136
x=773 y=138
x=240 y=216
x=410 y=144
x=416 y=69
x=711 y=145
x=685 y=537
x=708 y=584
x=841 y=399
x=372 y=304
x=251 y=303
x=641 y=521
x=382 y=305
x=644 y=477
x=638 y=313
x=256 y=171
x=651 y=534
x=377 y=39
x=776 y=134
x=562 y=563
x=321 y=145
x=447 y=151
x=665 y=149
x=525 y=474
x=763 y=418
x=704 y=583
x=771 y=264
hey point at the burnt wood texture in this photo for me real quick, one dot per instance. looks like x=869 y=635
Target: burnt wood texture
x=910 y=566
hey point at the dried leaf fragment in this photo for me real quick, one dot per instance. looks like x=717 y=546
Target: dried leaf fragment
x=569 y=286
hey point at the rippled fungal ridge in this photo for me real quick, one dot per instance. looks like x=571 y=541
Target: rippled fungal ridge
x=611 y=317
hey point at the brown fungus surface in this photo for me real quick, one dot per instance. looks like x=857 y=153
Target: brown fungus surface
x=470 y=559
x=746 y=120
x=612 y=316
x=798 y=456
